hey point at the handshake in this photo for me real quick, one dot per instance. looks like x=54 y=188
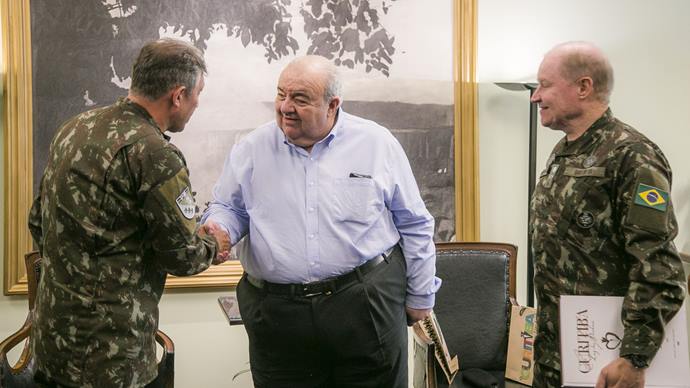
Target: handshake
x=222 y=239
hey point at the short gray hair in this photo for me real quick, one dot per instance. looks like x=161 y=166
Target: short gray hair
x=322 y=68
x=333 y=87
x=165 y=64
x=585 y=59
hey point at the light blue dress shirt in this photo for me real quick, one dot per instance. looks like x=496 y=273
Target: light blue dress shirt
x=312 y=216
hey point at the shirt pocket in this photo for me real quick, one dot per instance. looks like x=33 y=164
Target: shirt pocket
x=586 y=213
x=356 y=200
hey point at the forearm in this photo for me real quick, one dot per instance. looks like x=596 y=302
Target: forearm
x=656 y=293
x=185 y=259
x=418 y=247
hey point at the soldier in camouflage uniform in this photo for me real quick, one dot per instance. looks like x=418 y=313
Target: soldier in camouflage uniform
x=115 y=214
x=602 y=221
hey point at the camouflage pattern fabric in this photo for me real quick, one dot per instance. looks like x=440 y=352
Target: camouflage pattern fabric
x=602 y=223
x=114 y=215
x=545 y=377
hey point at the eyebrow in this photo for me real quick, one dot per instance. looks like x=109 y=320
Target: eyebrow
x=295 y=93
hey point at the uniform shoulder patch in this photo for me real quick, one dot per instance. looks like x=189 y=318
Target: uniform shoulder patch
x=651 y=197
x=185 y=201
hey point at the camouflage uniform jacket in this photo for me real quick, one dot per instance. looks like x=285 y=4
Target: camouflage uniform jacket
x=114 y=215
x=602 y=223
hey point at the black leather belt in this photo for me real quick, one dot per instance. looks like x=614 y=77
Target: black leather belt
x=322 y=287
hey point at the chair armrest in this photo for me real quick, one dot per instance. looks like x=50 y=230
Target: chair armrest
x=165 y=342
x=166 y=366
x=10 y=342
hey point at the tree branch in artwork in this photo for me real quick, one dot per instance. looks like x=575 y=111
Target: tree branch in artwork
x=350 y=32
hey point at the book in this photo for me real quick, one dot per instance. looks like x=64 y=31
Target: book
x=591 y=332
x=431 y=329
x=231 y=309
x=424 y=370
x=520 y=358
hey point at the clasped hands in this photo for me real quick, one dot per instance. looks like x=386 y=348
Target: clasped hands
x=222 y=238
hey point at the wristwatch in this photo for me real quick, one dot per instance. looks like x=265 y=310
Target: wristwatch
x=639 y=361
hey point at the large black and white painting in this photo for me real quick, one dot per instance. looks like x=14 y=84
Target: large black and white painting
x=395 y=57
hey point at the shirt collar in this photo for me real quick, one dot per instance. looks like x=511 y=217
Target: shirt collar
x=328 y=140
x=139 y=110
x=588 y=138
x=336 y=127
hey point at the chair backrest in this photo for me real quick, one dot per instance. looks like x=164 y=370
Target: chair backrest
x=32 y=262
x=473 y=304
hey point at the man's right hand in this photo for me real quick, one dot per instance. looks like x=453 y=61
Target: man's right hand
x=620 y=373
x=222 y=239
x=414 y=315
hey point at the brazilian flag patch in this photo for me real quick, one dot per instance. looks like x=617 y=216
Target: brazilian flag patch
x=649 y=196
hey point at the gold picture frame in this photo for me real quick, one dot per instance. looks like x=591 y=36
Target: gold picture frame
x=18 y=163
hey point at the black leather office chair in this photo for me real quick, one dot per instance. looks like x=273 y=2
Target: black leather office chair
x=473 y=305
x=20 y=375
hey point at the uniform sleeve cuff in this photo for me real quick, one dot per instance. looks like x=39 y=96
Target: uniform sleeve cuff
x=648 y=351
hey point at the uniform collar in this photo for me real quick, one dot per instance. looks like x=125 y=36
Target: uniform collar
x=131 y=106
x=588 y=138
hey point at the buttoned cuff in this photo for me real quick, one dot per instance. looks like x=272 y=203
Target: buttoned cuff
x=420 y=302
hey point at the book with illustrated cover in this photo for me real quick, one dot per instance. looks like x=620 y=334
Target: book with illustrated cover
x=430 y=331
x=591 y=333
x=520 y=358
x=231 y=309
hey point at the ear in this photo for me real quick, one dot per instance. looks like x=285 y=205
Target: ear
x=333 y=105
x=585 y=87
x=176 y=95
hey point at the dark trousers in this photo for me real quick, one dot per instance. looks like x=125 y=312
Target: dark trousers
x=355 y=337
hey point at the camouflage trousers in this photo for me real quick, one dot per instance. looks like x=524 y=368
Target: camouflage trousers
x=546 y=377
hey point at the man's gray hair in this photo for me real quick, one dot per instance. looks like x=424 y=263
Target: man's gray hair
x=165 y=64
x=334 y=85
x=324 y=69
x=582 y=59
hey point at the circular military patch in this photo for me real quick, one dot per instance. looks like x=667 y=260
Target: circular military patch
x=585 y=220
x=589 y=162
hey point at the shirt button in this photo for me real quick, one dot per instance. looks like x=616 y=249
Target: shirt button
x=311 y=183
x=311 y=209
x=311 y=235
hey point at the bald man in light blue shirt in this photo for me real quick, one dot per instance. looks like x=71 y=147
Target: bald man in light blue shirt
x=342 y=255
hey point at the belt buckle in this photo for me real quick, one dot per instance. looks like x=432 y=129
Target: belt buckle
x=313 y=294
x=324 y=289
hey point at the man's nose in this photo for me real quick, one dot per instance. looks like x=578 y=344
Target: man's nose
x=536 y=96
x=286 y=106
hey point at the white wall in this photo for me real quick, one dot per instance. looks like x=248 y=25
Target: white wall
x=648 y=47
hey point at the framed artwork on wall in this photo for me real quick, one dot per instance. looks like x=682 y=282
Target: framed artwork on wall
x=406 y=64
